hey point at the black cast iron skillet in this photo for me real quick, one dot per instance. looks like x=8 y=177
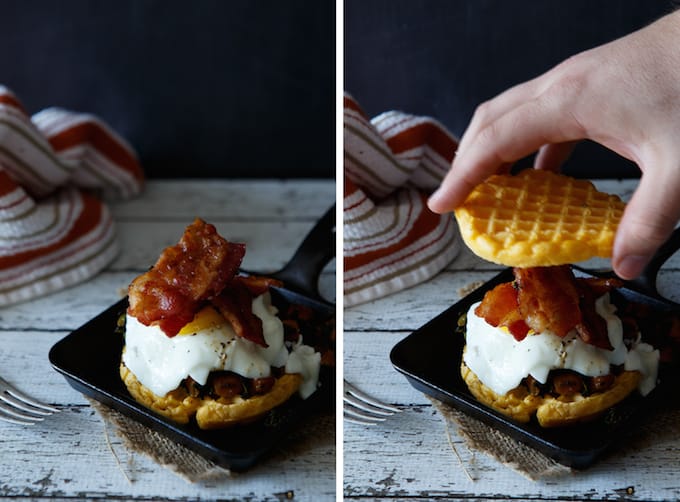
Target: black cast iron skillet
x=89 y=359
x=430 y=359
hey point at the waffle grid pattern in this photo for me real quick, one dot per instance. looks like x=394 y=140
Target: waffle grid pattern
x=539 y=218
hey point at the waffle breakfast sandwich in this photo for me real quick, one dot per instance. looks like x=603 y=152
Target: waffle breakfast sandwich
x=204 y=343
x=549 y=345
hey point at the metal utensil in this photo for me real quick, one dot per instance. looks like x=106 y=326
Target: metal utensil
x=360 y=408
x=18 y=408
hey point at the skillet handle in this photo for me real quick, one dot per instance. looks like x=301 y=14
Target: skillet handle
x=647 y=279
x=301 y=273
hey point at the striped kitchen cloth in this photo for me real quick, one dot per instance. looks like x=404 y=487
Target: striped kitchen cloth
x=54 y=232
x=391 y=240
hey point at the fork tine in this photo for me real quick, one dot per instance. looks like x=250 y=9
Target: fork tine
x=362 y=405
x=7 y=388
x=351 y=389
x=357 y=417
x=22 y=405
x=9 y=414
x=360 y=408
x=18 y=408
x=18 y=421
x=31 y=402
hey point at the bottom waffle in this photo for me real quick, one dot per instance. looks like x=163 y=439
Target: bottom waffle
x=180 y=407
x=550 y=411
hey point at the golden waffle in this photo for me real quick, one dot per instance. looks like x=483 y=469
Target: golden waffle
x=539 y=218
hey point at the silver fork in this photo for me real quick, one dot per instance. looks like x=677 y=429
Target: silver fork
x=360 y=408
x=18 y=408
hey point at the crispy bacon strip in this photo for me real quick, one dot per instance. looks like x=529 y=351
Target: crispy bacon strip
x=600 y=285
x=593 y=328
x=551 y=299
x=548 y=298
x=235 y=303
x=500 y=307
x=185 y=275
x=258 y=285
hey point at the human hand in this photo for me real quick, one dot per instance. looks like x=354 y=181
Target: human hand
x=624 y=95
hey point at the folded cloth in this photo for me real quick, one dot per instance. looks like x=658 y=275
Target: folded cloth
x=391 y=240
x=54 y=232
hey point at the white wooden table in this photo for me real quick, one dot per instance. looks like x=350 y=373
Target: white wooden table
x=68 y=456
x=409 y=455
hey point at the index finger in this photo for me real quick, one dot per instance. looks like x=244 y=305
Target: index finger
x=517 y=133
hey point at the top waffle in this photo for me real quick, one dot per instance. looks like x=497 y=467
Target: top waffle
x=539 y=218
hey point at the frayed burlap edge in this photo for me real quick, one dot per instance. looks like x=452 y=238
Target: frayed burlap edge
x=480 y=437
x=316 y=430
x=658 y=426
x=140 y=439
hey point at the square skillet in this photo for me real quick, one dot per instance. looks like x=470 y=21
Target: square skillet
x=430 y=359
x=89 y=359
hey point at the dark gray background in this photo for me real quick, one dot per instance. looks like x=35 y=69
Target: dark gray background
x=200 y=88
x=443 y=58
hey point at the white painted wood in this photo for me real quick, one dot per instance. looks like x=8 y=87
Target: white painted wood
x=67 y=455
x=409 y=456
x=70 y=308
x=409 y=309
x=229 y=200
x=141 y=243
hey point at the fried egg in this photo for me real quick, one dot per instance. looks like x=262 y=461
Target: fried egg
x=209 y=343
x=501 y=362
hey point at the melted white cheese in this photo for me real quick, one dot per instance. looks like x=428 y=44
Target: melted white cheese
x=160 y=362
x=501 y=362
x=306 y=362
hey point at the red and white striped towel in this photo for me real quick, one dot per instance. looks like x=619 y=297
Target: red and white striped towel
x=54 y=232
x=391 y=240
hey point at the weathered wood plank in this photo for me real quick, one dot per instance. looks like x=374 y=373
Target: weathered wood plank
x=411 y=308
x=269 y=244
x=409 y=456
x=70 y=308
x=68 y=456
x=415 y=459
x=229 y=200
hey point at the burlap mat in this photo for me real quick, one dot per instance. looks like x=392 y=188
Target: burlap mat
x=659 y=426
x=482 y=438
x=189 y=465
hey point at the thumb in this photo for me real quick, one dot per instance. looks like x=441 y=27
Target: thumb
x=648 y=220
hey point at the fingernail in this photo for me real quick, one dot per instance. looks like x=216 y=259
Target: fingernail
x=631 y=266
